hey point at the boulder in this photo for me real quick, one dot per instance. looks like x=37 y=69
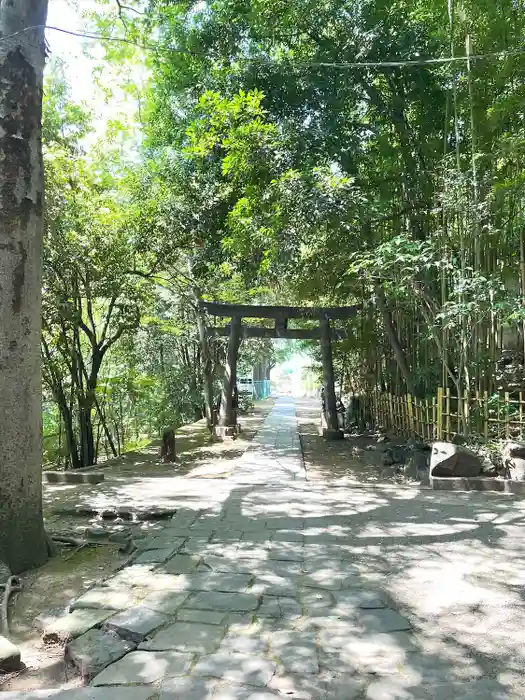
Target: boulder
x=416 y=467
x=514 y=460
x=448 y=459
x=387 y=459
x=400 y=454
x=514 y=449
x=9 y=656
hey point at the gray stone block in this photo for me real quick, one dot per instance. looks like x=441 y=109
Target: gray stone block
x=186 y=636
x=136 y=623
x=94 y=650
x=9 y=656
x=144 y=667
x=239 y=668
x=66 y=627
x=228 y=602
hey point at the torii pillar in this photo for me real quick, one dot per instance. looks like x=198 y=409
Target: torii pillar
x=332 y=430
x=228 y=426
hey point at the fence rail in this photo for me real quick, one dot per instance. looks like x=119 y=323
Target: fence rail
x=440 y=417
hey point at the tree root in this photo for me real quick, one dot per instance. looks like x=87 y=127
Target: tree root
x=12 y=585
x=127 y=546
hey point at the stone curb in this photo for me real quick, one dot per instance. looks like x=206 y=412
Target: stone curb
x=71 y=477
x=453 y=483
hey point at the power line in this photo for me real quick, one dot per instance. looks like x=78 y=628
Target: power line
x=350 y=65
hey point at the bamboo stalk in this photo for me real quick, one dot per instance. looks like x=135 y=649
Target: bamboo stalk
x=439 y=413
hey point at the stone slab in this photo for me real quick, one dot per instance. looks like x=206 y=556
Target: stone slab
x=235 y=691
x=245 y=638
x=238 y=668
x=386 y=620
x=277 y=607
x=187 y=689
x=275 y=583
x=94 y=650
x=348 y=602
x=186 y=636
x=208 y=617
x=374 y=653
x=181 y=564
x=137 y=575
x=154 y=556
x=165 y=540
x=136 y=623
x=218 y=581
x=100 y=598
x=295 y=652
x=67 y=627
x=87 y=693
x=165 y=601
x=9 y=656
x=228 y=602
x=144 y=667
x=316 y=601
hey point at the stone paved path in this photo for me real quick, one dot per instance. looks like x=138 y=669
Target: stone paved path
x=267 y=586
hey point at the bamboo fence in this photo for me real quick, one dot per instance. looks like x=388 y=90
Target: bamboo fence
x=440 y=417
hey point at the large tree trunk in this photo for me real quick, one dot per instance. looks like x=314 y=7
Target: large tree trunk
x=22 y=57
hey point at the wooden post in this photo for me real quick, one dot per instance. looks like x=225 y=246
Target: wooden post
x=332 y=431
x=228 y=414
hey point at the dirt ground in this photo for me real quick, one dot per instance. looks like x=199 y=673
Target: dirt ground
x=349 y=461
x=136 y=476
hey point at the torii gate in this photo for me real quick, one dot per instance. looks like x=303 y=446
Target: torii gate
x=236 y=331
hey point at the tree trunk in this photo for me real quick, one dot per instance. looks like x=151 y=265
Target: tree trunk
x=22 y=57
x=67 y=420
x=332 y=419
x=393 y=339
x=228 y=414
x=206 y=359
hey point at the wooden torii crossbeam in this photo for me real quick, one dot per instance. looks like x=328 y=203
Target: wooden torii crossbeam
x=236 y=331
